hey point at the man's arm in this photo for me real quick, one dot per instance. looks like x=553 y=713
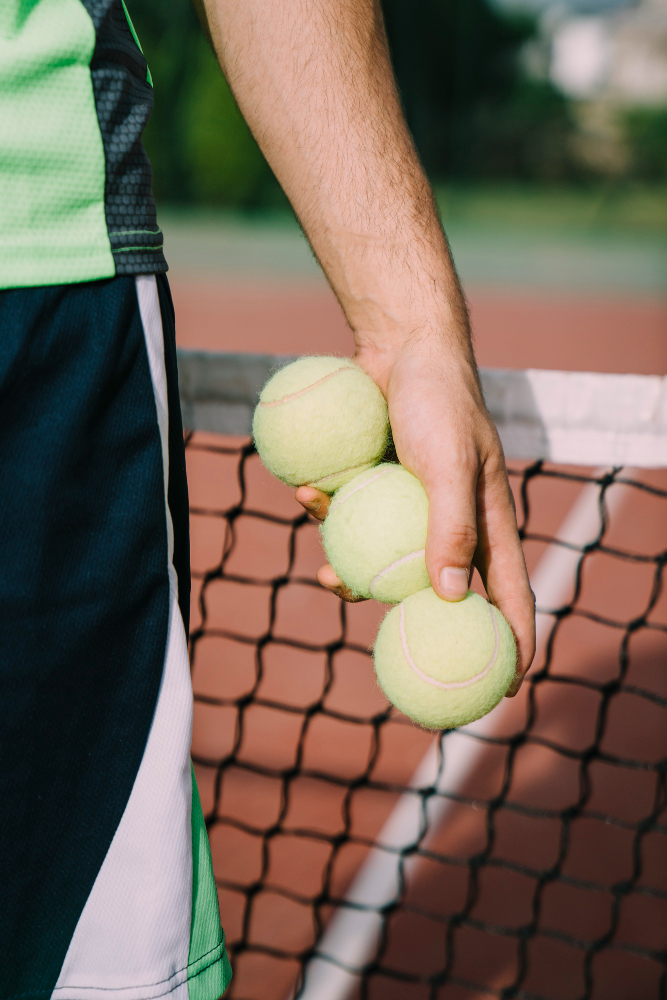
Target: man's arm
x=313 y=79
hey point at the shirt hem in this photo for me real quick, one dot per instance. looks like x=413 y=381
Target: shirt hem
x=55 y=269
x=75 y=270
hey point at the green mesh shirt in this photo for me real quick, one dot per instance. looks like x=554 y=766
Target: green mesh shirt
x=75 y=181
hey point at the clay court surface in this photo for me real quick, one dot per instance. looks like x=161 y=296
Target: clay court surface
x=299 y=762
x=539 y=299
x=513 y=328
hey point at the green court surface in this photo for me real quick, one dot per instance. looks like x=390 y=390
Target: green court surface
x=574 y=242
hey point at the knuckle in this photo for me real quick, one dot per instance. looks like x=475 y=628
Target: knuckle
x=463 y=536
x=465 y=458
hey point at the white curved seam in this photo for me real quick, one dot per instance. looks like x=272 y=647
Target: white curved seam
x=451 y=685
x=392 y=566
x=341 y=472
x=313 y=385
x=339 y=500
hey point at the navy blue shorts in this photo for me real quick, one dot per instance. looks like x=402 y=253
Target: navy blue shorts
x=106 y=882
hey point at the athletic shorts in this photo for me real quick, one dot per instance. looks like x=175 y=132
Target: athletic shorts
x=106 y=884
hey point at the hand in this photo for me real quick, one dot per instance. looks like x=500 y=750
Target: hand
x=446 y=438
x=315 y=85
x=317 y=504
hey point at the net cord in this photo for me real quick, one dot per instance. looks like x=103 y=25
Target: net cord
x=579 y=418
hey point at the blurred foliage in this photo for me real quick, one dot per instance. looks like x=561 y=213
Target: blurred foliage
x=225 y=163
x=646 y=133
x=201 y=149
x=595 y=209
x=474 y=114
x=470 y=107
x=526 y=136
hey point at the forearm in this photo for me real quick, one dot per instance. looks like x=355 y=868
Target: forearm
x=314 y=81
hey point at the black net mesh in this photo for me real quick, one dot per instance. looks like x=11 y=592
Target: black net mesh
x=544 y=877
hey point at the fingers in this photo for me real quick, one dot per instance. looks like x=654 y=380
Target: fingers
x=315 y=502
x=452 y=532
x=471 y=518
x=499 y=559
x=327 y=577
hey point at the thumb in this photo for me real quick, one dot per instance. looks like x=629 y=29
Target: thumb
x=452 y=536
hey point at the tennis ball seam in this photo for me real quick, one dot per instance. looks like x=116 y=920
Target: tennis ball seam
x=342 y=472
x=302 y=392
x=337 y=501
x=447 y=685
x=325 y=447
x=392 y=566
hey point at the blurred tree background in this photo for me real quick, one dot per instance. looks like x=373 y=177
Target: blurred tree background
x=200 y=147
x=476 y=112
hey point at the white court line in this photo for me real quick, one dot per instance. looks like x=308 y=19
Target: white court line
x=352 y=935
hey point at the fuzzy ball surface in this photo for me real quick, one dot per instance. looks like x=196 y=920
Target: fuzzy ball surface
x=319 y=422
x=375 y=532
x=442 y=663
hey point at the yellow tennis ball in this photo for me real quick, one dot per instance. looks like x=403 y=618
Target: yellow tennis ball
x=444 y=663
x=320 y=421
x=375 y=532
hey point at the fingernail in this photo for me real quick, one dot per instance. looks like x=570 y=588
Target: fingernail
x=454 y=583
x=313 y=505
x=515 y=686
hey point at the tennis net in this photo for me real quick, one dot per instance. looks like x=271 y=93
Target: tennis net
x=358 y=856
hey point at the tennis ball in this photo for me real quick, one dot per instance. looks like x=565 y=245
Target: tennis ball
x=375 y=532
x=319 y=422
x=444 y=663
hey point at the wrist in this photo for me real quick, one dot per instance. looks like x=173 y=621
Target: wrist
x=439 y=346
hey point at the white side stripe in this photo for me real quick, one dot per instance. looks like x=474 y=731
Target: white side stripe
x=133 y=937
